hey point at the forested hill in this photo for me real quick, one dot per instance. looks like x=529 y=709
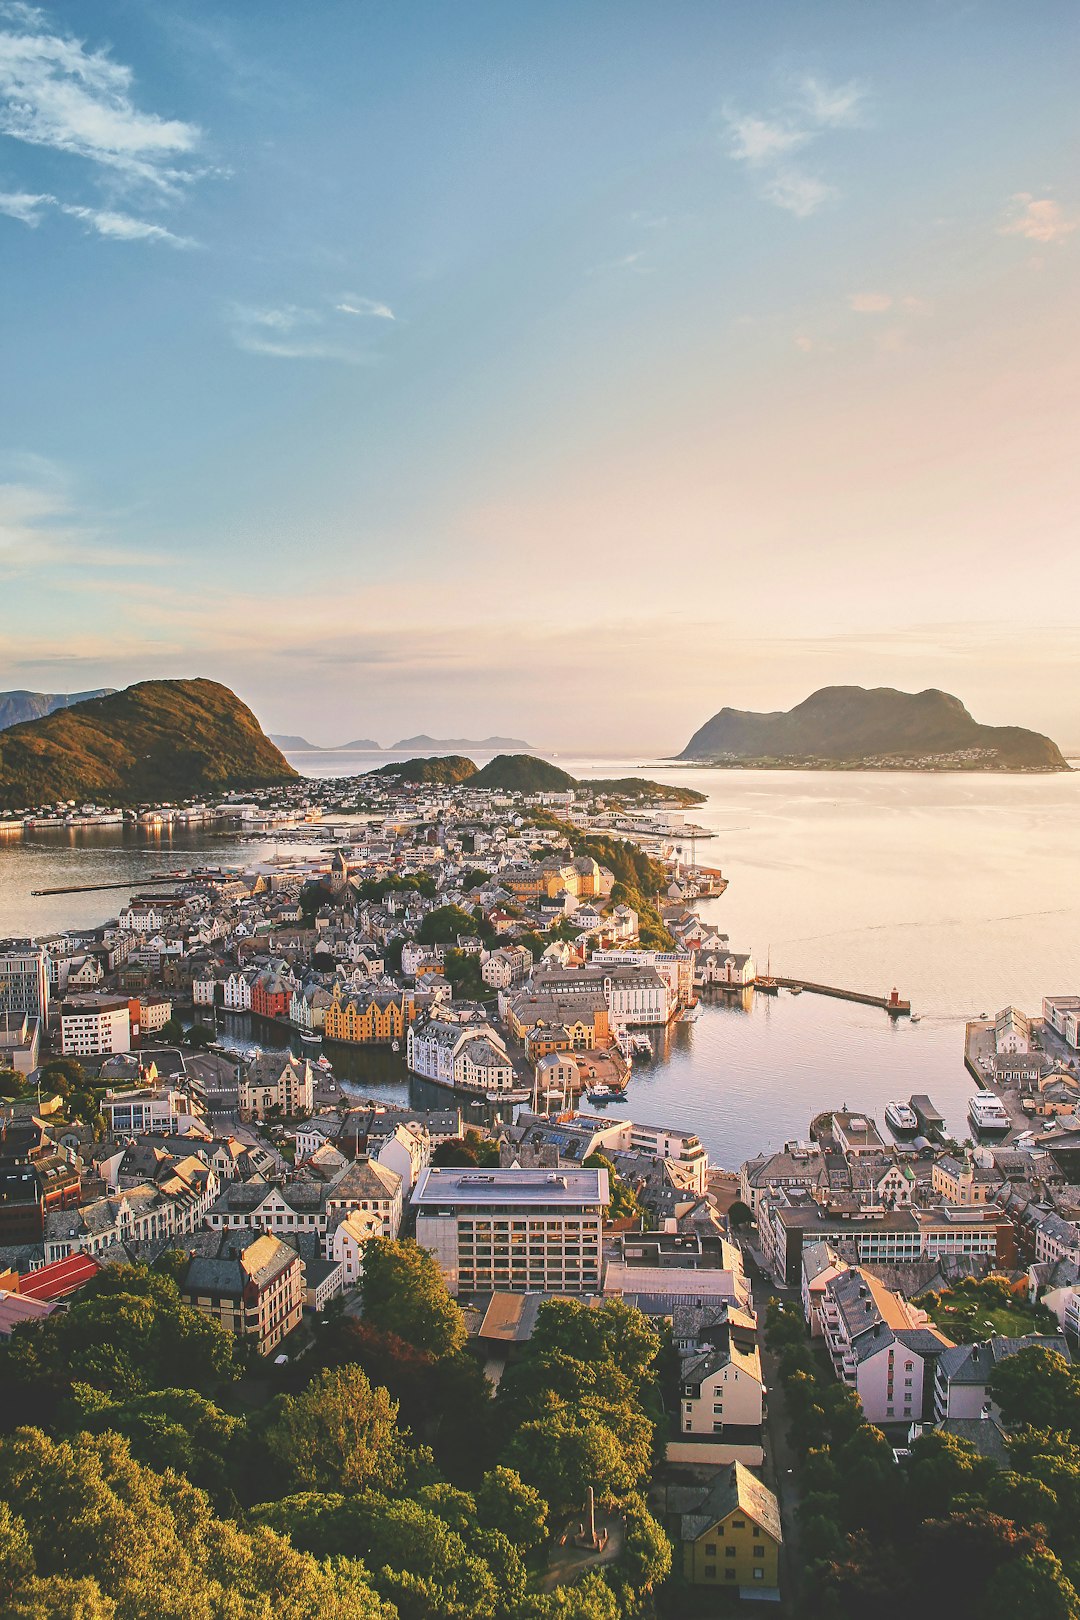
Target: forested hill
x=850 y=725
x=158 y=740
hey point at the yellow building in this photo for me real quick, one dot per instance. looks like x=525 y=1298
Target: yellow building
x=369 y=1020
x=558 y=1023
x=731 y=1537
x=960 y=1181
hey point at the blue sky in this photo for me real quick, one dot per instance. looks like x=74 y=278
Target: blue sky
x=561 y=370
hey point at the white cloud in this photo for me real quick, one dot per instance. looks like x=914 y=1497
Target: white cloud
x=24 y=206
x=832 y=106
x=761 y=140
x=871 y=303
x=56 y=93
x=29 y=208
x=766 y=143
x=801 y=194
x=292 y=332
x=351 y=304
x=1038 y=219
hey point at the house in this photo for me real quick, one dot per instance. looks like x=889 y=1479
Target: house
x=882 y=1348
x=721 y=1389
x=369 y=1017
x=346 y=1243
x=370 y=1187
x=275 y=1083
x=731 y=1535
x=961 y=1385
x=962 y=1181
x=255 y=1288
x=406 y=1152
x=1012 y=1032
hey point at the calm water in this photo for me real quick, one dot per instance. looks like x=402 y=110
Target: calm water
x=962 y=891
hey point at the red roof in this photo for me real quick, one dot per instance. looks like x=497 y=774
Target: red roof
x=60 y=1278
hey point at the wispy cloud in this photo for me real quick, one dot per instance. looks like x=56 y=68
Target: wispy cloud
x=762 y=140
x=832 y=106
x=56 y=93
x=766 y=143
x=800 y=193
x=871 y=303
x=30 y=208
x=298 y=332
x=1038 y=219
x=352 y=304
x=41 y=523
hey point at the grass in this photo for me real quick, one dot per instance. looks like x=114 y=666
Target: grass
x=971 y=1313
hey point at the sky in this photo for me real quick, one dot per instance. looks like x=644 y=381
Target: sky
x=561 y=371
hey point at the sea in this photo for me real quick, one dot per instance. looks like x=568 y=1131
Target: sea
x=962 y=891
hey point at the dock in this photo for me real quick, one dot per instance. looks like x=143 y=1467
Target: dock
x=892 y=1003
x=128 y=883
x=930 y=1121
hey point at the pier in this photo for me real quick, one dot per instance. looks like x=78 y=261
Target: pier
x=128 y=883
x=892 y=1004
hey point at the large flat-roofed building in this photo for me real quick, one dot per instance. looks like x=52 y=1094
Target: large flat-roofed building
x=514 y=1230
x=888 y=1237
x=24 y=978
x=94 y=1026
x=19 y=1032
x=1063 y=1014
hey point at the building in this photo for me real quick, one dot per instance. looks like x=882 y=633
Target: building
x=961 y=1385
x=1062 y=1013
x=24 y=979
x=37 y=1179
x=1012 y=1032
x=507 y=967
x=407 y=1152
x=156 y=1111
x=721 y=1389
x=857 y=1135
x=962 y=1181
x=514 y=1230
x=95 y=1025
x=881 y=1347
x=467 y=1056
x=369 y=1188
x=255 y=1288
x=275 y=1083
x=19 y=1036
x=885 y=1237
x=369 y=1018
x=731 y=1534
x=346 y=1244
x=797 y=1165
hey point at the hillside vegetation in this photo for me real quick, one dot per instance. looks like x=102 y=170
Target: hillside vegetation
x=522 y=773
x=846 y=725
x=443 y=771
x=159 y=740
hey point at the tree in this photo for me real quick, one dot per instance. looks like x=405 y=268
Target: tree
x=504 y=1502
x=340 y=1434
x=591 y=1598
x=170 y=1428
x=128 y=1334
x=12 y=1083
x=563 y=1453
x=171 y=1030
x=740 y=1215
x=404 y=1292
x=200 y=1036
x=1038 y=1387
x=443 y=925
x=622 y=1200
x=1035 y=1584
x=63 y=1075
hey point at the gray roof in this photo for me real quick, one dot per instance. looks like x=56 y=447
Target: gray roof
x=973 y=1364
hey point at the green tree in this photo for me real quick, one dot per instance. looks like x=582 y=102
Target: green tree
x=172 y=1030
x=200 y=1036
x=169 y=1428
x=128 y=1334
x=740 y=1215
x=63 y=1075
x=504 y=1502
x=591 y=1598
x=562 y=1454
x=12 y=1083
x=340 y=1434
x=1038 y=1387
x=404 y=1292
x=443 y=925
x=622 y=1200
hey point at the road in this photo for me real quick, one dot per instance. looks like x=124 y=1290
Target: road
x=781 y=1462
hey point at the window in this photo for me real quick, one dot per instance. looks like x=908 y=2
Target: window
x=729 y=1574
x=710 y=1549
x=759 y=1574
x=757 y=1531
x=710 y=1572
x=729 y=1552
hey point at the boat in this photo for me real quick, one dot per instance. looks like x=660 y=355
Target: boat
x=603 y=1094
x=901 y=1118
x=765 y=982
x=309 y=1035
x=795 y=989
x=986 y=1113
x=915 y=1017
x=641 y=1045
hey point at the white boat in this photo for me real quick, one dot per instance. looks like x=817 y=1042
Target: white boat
x=914 y=1018
x=901 y=1118
x=641 y=1044
x=986 y=1113
x=309 y=1035
x=603 y=1094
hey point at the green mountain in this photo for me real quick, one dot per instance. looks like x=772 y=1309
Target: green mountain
x=159 y=740
x=851 y=725
x=522 y=773
x=15 y=707
x=444 y=771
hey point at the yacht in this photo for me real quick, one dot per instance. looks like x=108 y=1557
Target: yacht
x=603 y=1094
x=901 y=1118
x=986 y=1113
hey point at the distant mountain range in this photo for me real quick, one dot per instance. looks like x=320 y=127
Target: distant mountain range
x=525 y=773
x=300 y=745
x=366 y=745
x=850 y=726
x=16 y=707
x=157 y=741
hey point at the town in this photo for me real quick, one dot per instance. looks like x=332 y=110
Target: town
x=518 y=951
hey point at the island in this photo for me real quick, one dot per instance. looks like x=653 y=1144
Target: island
x=485 y=745
x=856 y=728
x=156 y=741
x=300 y=745
x=525 y=773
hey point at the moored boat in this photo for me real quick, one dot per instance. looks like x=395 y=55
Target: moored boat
x=986 y=1113
x=901 y=1118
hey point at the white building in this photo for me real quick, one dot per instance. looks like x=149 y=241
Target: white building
x=93 y=1026
x=514 y=1230
x=160 y=1111
x=407 y=1152
x=373 y=1189
x=961 y=1385
x=1063 y=1014
x=722 y=1389
x=881 y=1347
x=348 y=1240
x=275 y=1083
x=24 y=979
x=468 y=1057
x=1012 y=1032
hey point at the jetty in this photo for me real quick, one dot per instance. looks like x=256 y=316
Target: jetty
x=930 y=1121
x=128 y=883
x=893 y=1004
